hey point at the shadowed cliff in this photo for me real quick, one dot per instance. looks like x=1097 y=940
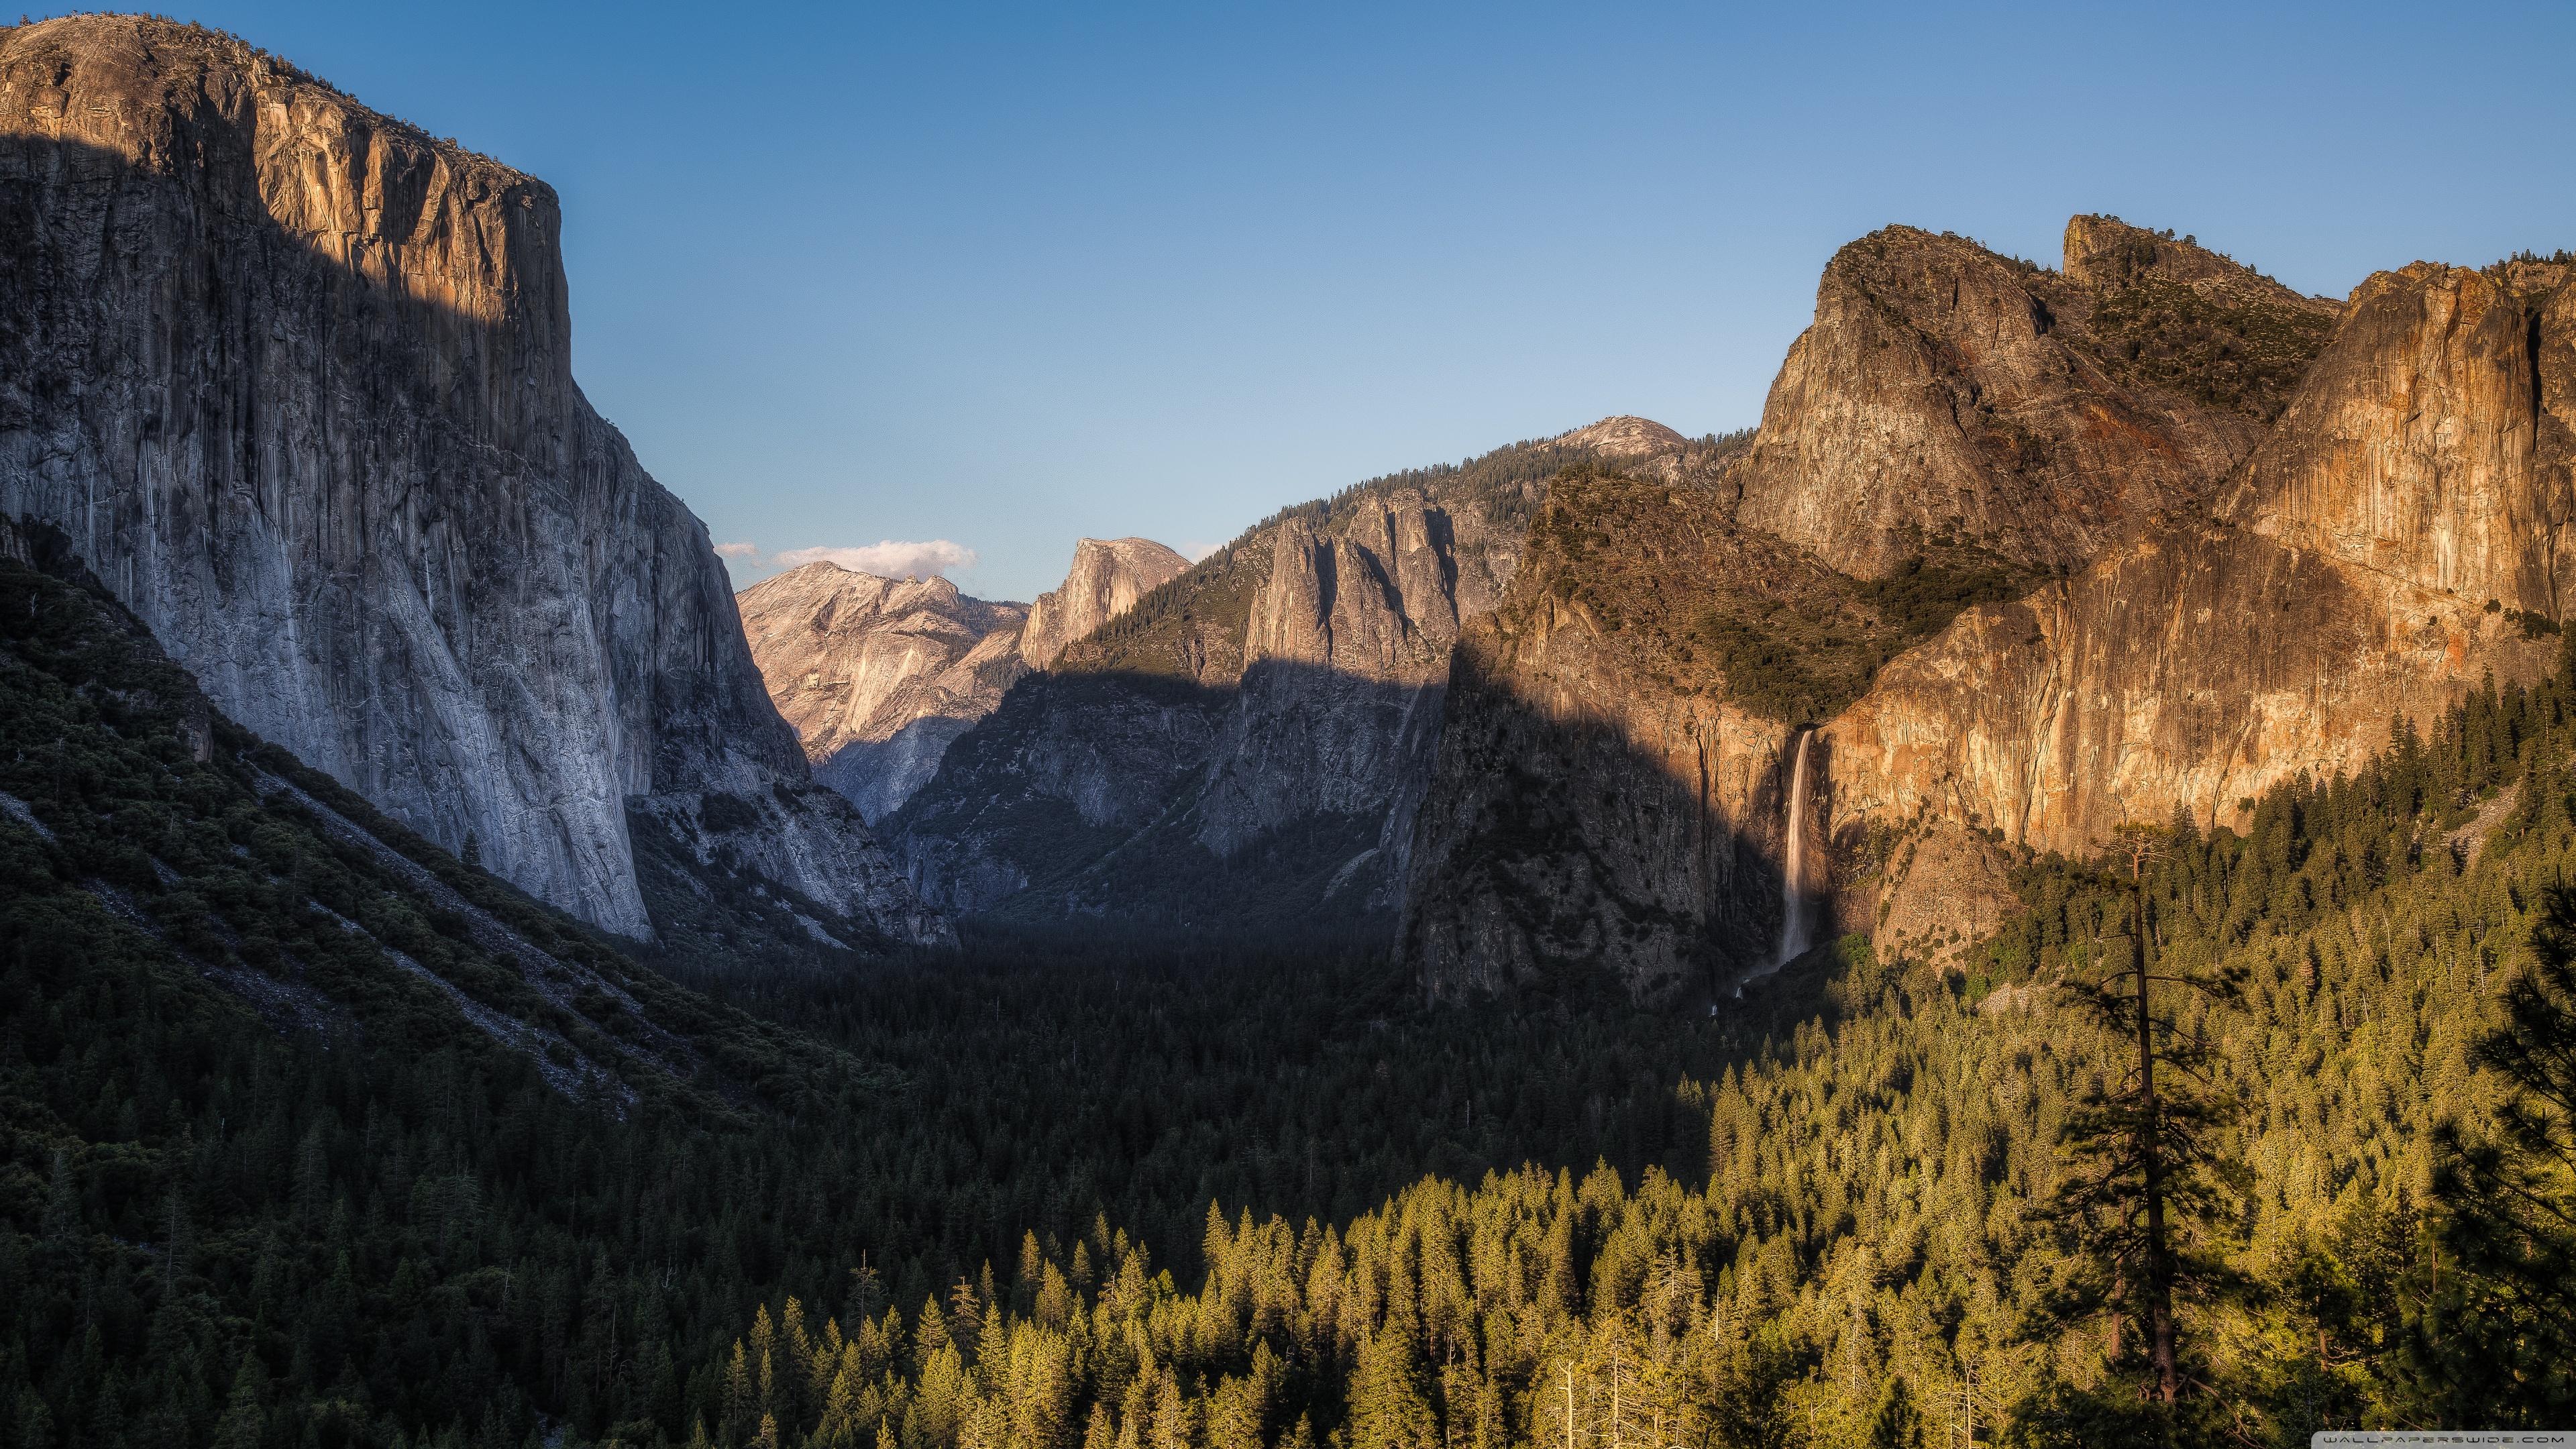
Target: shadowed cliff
x=1611 y=784
x=1102 y=794
x=1262 y=726
x=294 y=378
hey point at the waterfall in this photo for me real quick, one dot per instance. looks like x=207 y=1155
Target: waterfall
x=1793 y=876
x=1793 y=898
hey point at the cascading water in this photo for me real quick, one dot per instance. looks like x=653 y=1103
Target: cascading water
x=1793 y=896
x=1793 y=874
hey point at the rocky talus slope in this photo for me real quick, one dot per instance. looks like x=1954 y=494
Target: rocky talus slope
x=294 y=378
x=2035 y=552
x=1249 y=742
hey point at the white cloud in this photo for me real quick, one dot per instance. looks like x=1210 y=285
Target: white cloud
x=737 y=550
x=888 y=559
x=1195 y=552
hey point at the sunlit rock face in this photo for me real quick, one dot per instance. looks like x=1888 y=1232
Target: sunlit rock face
x=1299 y=684
x=1250 y=742
x=878 y=676
x=1943 y=389
x=2258 y=529
x=1107 y=578
x=2432 y=444
x=2398 y=534
x=2190 y=668
x=295 y=379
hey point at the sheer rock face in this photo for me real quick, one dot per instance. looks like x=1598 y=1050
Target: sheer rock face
x=1107 y=578
x=1338 y=709
x=878 y=676
x=2192 y=667
x=2281 y=523
x=1067 y=768
x=2415 y=491
x=1274 y=715
x=2417 y=450
x=1597 y=798
x=1573 y=815
x=1945 y=390
x=295 y=379
x=1321 y=698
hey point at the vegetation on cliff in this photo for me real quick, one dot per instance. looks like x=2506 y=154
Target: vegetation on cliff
x=1762 y=625
x=2242 y=355
x=1500 y=490
x=2166 y=314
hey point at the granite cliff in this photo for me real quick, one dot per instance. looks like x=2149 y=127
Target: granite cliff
x=2032 y=551
x=1946 y=390
x=2397 y=537
x=295 y=380
x=879 y=677
x=1249 y=741
x=1107 y=579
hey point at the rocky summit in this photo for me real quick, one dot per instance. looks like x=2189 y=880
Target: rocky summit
x=2017 y=554
x=878 y=676
x=294 y=380
x=1249 y=741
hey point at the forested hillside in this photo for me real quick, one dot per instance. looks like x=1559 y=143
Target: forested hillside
x=293 y=1157
x=289 y=1156
x=1869 y=1248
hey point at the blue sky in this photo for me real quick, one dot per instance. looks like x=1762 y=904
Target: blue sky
x=1006 y=276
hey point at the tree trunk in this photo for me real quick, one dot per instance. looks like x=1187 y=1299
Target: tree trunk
x=2159 y=1284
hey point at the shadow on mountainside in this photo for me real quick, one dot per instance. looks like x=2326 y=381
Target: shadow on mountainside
x=1553 y=844
x=295 y=378
x=1161 y=802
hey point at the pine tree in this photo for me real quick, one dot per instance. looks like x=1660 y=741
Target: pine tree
x=244 y=1422
x=1389 y=1409
x=2502 y=1342
x=2149 y=1154
x=1898 y=1424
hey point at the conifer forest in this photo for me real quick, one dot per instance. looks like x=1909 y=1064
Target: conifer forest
x=1058 y=1190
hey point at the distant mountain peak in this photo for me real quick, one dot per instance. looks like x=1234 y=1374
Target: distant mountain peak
x=1625 y=437
x=1107 y=578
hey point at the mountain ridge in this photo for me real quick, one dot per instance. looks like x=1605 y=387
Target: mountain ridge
x=1276 y=702
x=2185 y=534
x=913 y=664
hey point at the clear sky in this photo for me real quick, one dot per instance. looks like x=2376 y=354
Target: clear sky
x=1004 y=276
